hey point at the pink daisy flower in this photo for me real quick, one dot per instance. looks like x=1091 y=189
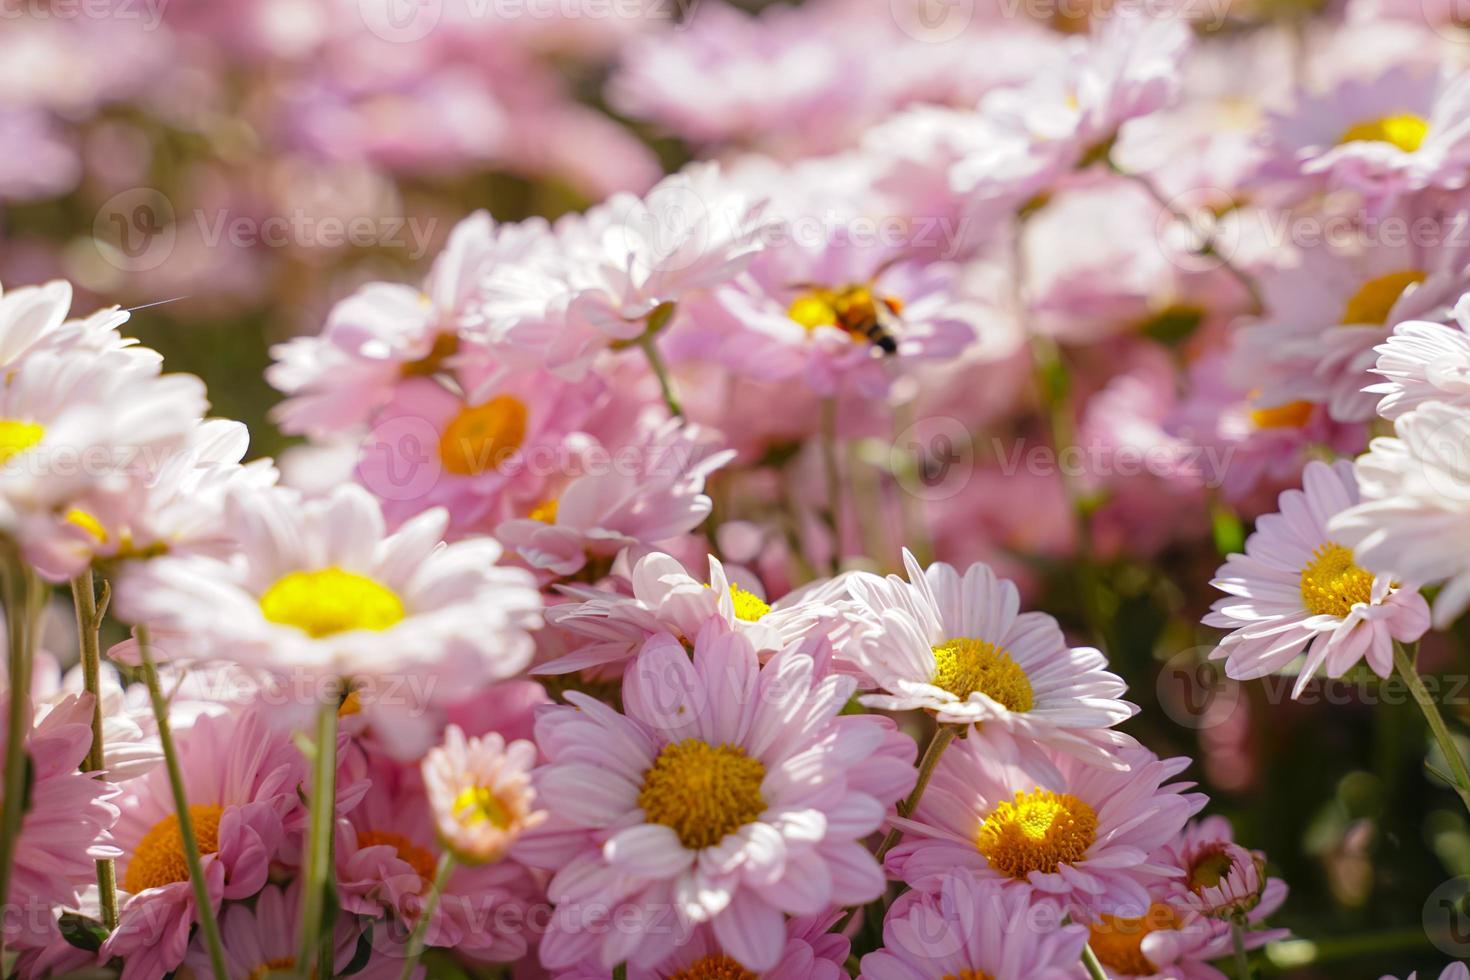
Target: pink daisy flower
x=1171 y=940
x=320 y=586
x=1065 y=118
x=388 y=850
x=1222 y=879
x=662 y=597
x=1248 y=444
x=729 y=794
x=241 y=779
x=480 y=792
x=260 y=938
x=973 y=927
x=1083 y=835
x=504 y=433
x=958 y=646
x=694 y=231
x=67 y=824
x=812 y=952
x=1404 y=131
x=839 y=318
x=386 y=331
x=649 y=491
x=1297 y=590
x=1330 y=309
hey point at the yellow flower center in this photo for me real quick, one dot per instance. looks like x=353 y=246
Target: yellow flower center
x=1332 y=583
x=329 y=601
x=702 y=791
x=1292 y=415
x=851 y=308
x=1118 y=941
x=749 y=607
x=482 y=437
x=1040 y=831
x=410 y=853
x=965 y=665
x=1404 y=130
x=1373 y=302
x=16 y=437
x=1209 y=870
x=545 y=512
x=967 y=975
x=479 y=805
x=158 y=859
x=716 y=966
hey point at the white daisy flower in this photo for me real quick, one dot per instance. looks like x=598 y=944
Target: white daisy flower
x=320 y=586
x=1423 y=362
x=1413 y=521
x=1299 y=589
x=959 y=646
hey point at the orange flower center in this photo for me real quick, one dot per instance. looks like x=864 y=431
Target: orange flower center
x=159 y=858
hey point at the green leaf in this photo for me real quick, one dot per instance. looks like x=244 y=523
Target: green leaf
x=82 y=932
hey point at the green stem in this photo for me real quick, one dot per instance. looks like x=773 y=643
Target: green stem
x=431 y=902
x=1242 y=961
x=208 y=926
x=318 y=870
x=935 y=749
x=661 y=371
x=937 y=745
x=23 y=596
x=1441 y=732
x=1091 y=964
x=834 y=479
x=89 y=621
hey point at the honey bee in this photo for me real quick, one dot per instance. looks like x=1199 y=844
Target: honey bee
x=854 y=309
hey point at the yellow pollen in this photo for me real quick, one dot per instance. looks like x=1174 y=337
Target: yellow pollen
x=482 y=437
x=1118 y=941
x=479 y=805
x=716 y=966
x=749 y=607
x=965 y=665
x=1404 y=130
x=415 y=857
x=1292 y=415
x=545 y=512
x=16 y=437
x=1040 y=831
x=702 y=791
x=1332 y=583
x=158 y=859
x=329 y=601
x=87 y=522
x=967 y=975
x=1373 y=303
